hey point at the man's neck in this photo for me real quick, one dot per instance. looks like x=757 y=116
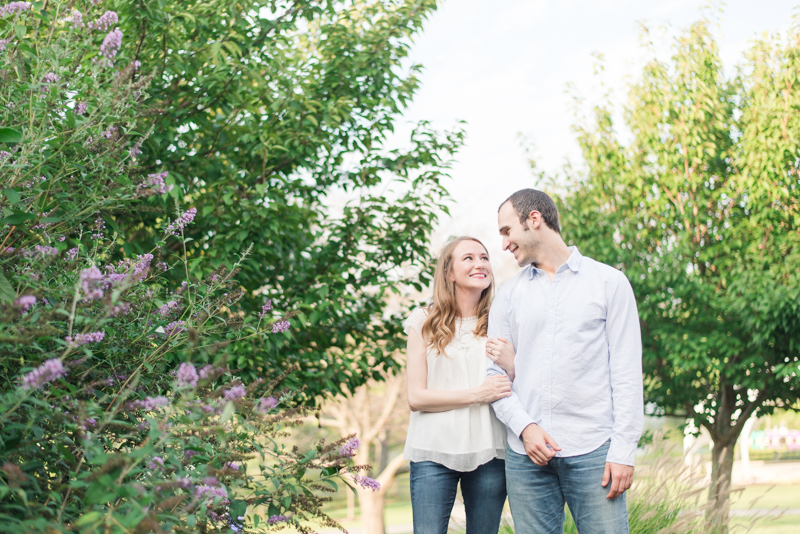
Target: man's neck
x=552 y=254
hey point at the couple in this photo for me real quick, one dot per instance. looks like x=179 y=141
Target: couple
x=563 y=374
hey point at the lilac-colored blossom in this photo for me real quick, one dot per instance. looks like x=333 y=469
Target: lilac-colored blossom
x=174 y=328
x=150 y=403
x=280 y=326
x=156 y=462
x=367 y=483
x=84 y=339
x=168 y=309
x=81 y=108
x=210 y=481
x=91 y=283
x=51 y=77
x=154 y=185
x=276 y=519
x=75 y=18
x=212 y=492
x=266 y=404
x=187 y=454
x=4 y=154
x=235 y=393
x=72 y=254
x=187 y=375
x=44 y=250
x=106 y=20
x=14 y=7
x=121 y=308
x=265 y=309
x=348 y=450
x=231 y=465
x=111 y=43
x=49 y=370
x=91 y=421
x=4 y=43
x=182 y=222
x=62 y=238
x=25 y=302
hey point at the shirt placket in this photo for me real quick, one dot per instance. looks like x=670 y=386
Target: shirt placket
x=551 y=292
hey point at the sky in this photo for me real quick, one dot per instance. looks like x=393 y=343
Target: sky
x=504 y=68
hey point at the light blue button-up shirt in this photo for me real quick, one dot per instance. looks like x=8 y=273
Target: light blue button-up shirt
x=578 y=358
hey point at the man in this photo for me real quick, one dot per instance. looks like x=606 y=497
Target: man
x=576 y=411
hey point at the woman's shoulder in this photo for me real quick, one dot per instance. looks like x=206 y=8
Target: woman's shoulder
x=416 y=319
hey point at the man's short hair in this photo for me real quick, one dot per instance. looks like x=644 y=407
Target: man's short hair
x=525 y=201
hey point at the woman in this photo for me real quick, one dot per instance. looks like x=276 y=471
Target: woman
x=453 y=434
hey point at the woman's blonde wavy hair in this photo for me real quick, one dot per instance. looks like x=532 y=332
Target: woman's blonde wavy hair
x=440 y=326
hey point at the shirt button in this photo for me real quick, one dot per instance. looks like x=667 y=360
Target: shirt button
x=547 y=362
x=549 y=335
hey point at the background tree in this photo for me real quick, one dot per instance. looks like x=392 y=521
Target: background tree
x=371 y=412
x=701 y=212
x=265 y=109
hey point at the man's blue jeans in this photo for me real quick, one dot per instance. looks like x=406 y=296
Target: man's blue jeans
x=433 y=492
x=537 y=494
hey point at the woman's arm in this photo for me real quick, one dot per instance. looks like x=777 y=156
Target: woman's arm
x=501 y=351
x=422 y=399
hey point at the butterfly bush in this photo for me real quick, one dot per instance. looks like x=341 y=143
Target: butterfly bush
x=123 y=405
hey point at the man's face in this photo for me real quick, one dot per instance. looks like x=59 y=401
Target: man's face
x=518 y=239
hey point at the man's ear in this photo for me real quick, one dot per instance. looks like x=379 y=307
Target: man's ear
x=535 y=219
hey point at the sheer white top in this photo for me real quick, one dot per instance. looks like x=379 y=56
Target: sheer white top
x=464 y=438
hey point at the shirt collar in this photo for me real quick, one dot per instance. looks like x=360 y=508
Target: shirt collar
x=573 y=263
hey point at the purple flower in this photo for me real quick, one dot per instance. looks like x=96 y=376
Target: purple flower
x=72 y=254
x=168 y=309
x=83 y=339
x=187 y=454
x=187 y=375
x=210 y=481
x=235 y=393
x=348 y=450
x=265 y=309
x=4 y=43
x=277 y=519
x=156 y=463
x=4 y=154
x=231 y=465
x=207 y=371
x=14 y=7
x=91 y=421
x=367 y=483
x=91 y=283
x=150 y=403
x=51 y=77
x=25 y=302
x=106 y=20
x=174 y=328
x=41 y=249
x=280 y=326
x=62 y=238
x=211 y=492
x=154 y=185
x=49 y=370
x=265 y=405
x=81 y=108
x=182 y=222
x=112 y=42
x=76 y=18
x=123 y=308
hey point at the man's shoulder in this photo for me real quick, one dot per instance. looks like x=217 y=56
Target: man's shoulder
x=602 y=270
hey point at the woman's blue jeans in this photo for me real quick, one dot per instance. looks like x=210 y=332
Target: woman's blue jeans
x=433 y=492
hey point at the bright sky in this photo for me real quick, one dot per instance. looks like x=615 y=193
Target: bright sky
x=504 y=68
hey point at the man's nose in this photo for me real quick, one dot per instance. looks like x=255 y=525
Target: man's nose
x=505 y=243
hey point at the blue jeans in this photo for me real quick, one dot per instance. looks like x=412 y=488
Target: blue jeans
x=433 y=492
x=537 y=494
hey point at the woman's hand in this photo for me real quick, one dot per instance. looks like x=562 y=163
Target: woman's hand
x=493 y=388
x=501 y=352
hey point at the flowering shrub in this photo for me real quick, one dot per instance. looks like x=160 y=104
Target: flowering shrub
x=120 y=409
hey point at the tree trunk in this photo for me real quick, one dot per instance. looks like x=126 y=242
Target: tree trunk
x=720 y=487
x=351 y=506
x=372 y=504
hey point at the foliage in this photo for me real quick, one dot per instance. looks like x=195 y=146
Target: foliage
x=701 y=211
x=270 y=111
x=99 y=431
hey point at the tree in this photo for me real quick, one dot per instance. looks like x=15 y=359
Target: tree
x=265 y=108
x=369 y=413
x=701 y=212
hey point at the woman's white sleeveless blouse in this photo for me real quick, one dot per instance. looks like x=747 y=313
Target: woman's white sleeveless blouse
x=464 y=438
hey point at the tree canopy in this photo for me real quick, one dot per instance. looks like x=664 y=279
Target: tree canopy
x=701 y=211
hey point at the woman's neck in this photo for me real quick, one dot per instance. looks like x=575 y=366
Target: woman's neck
x=467 y=302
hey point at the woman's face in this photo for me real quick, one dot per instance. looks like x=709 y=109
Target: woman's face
x=470 y=268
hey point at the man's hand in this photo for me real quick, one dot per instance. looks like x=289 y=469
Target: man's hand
x=536 y=443
x=621 y=477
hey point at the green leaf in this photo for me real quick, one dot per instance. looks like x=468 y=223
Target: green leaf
x=10 y=135
x=12 y=195
x=20 y=30
x=227 y=412
x=237 y=508
x=18 y=217
x=88 y=518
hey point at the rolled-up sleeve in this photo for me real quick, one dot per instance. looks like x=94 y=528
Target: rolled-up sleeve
x=509 y=410
x=625 y=366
